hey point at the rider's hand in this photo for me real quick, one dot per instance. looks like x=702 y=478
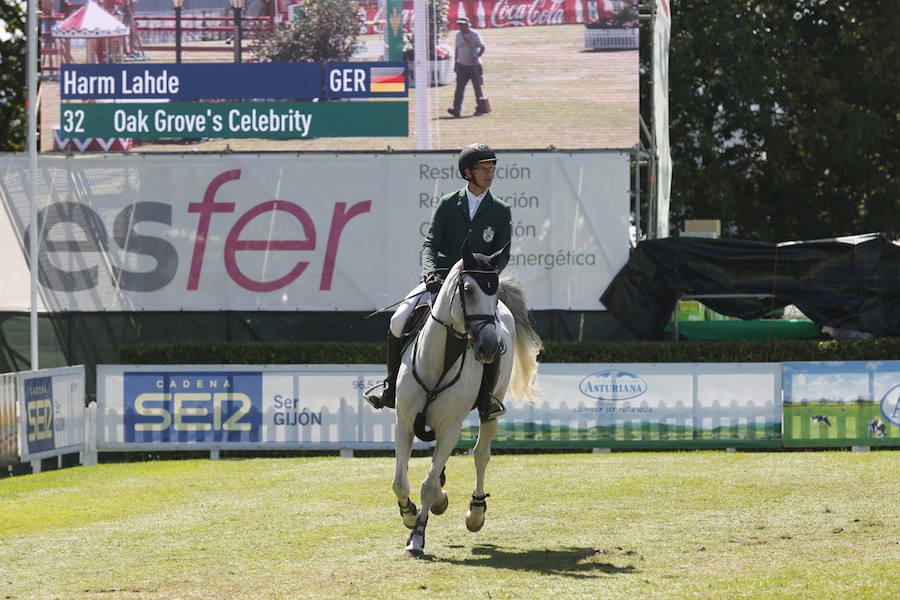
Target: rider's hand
x=433 y=282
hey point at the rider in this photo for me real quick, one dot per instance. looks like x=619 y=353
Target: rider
x=469 y=213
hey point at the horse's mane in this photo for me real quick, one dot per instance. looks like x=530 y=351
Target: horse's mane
x=528 y=342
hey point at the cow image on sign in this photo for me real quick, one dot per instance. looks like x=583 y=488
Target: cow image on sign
x=877 y=428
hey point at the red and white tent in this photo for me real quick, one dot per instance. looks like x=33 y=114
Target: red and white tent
x=90 y=21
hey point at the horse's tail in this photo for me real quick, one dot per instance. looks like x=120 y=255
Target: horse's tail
x=528 y=343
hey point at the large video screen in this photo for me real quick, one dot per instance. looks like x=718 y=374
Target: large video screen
x=553 y=74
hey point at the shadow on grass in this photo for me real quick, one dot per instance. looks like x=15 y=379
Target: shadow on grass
x=567 y=562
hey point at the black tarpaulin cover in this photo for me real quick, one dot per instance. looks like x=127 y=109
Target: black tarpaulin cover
x=850 y=283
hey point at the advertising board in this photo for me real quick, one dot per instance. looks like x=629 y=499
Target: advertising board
x=275 y=232
x=239 y=406
x=590 y=405
x=853 y=403
x=51 y=409
x=321 y=406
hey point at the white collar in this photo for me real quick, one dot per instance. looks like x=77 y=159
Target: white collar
x=474 y=201
x=473 y=198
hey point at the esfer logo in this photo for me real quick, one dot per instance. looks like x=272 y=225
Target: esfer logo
x=70 y=234
x=193 y=406
x=612 y=384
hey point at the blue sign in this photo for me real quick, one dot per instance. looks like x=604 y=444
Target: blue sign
x=193 y=407
x=39 y=414
x=191 y=81
x=366 y=80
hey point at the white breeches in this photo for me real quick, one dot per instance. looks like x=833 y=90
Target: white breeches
x=416 y=297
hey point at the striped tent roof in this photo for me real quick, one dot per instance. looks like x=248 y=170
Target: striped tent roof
x=90 y=21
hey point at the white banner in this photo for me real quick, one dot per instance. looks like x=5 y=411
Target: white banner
x=308 y=232
x=662 y=31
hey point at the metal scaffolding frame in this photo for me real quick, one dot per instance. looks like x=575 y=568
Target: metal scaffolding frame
x=645 y=154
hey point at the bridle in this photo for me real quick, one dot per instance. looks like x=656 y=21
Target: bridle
x=480 y=321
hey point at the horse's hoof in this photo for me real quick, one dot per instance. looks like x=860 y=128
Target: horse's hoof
x=415 y=545
x=441 y=505
x=409 y=513
x=474 y=522
x=475 y=514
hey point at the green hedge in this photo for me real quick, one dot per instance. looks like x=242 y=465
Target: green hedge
x=254 y=353
x=264 y=353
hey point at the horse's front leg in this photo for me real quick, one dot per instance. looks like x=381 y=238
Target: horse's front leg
x=432 y=488
x=403 y=450
x=475 y=515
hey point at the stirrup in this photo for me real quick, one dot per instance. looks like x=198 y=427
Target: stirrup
x=377 y=400
x=495 y=409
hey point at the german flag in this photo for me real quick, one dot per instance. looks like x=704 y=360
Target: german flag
x=387 y=79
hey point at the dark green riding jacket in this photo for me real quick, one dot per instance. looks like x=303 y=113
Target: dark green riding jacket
x=487 y=232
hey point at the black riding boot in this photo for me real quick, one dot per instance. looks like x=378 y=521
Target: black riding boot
x=489 y=406
x=386 y=398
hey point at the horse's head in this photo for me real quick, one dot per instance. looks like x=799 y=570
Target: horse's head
x=477 y=288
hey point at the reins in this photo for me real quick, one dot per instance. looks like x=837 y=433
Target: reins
x=389 y=306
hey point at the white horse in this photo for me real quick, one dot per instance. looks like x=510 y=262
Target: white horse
x=475 y=319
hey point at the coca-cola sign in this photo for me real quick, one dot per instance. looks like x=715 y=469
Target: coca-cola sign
x=507 y=13
x=486 y=14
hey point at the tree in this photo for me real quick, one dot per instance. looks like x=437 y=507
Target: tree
x=12 y=76
x=322 y=30
x=785 y=118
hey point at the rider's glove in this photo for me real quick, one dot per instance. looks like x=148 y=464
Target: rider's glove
x=433 y=282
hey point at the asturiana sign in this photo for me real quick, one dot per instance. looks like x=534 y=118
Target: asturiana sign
x=613 y=384
x=890 y=405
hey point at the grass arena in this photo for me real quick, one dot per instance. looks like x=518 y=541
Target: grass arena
x=700 y=524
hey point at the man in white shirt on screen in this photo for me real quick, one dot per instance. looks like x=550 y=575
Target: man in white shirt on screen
x=469 y=48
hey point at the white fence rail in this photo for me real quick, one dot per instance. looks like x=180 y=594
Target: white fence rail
x=617 y=39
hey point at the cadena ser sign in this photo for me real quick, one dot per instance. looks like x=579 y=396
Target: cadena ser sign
x=51 y=409
x=238 y=406
x=293 y=233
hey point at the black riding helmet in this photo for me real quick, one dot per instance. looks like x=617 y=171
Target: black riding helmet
x=472 y=155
